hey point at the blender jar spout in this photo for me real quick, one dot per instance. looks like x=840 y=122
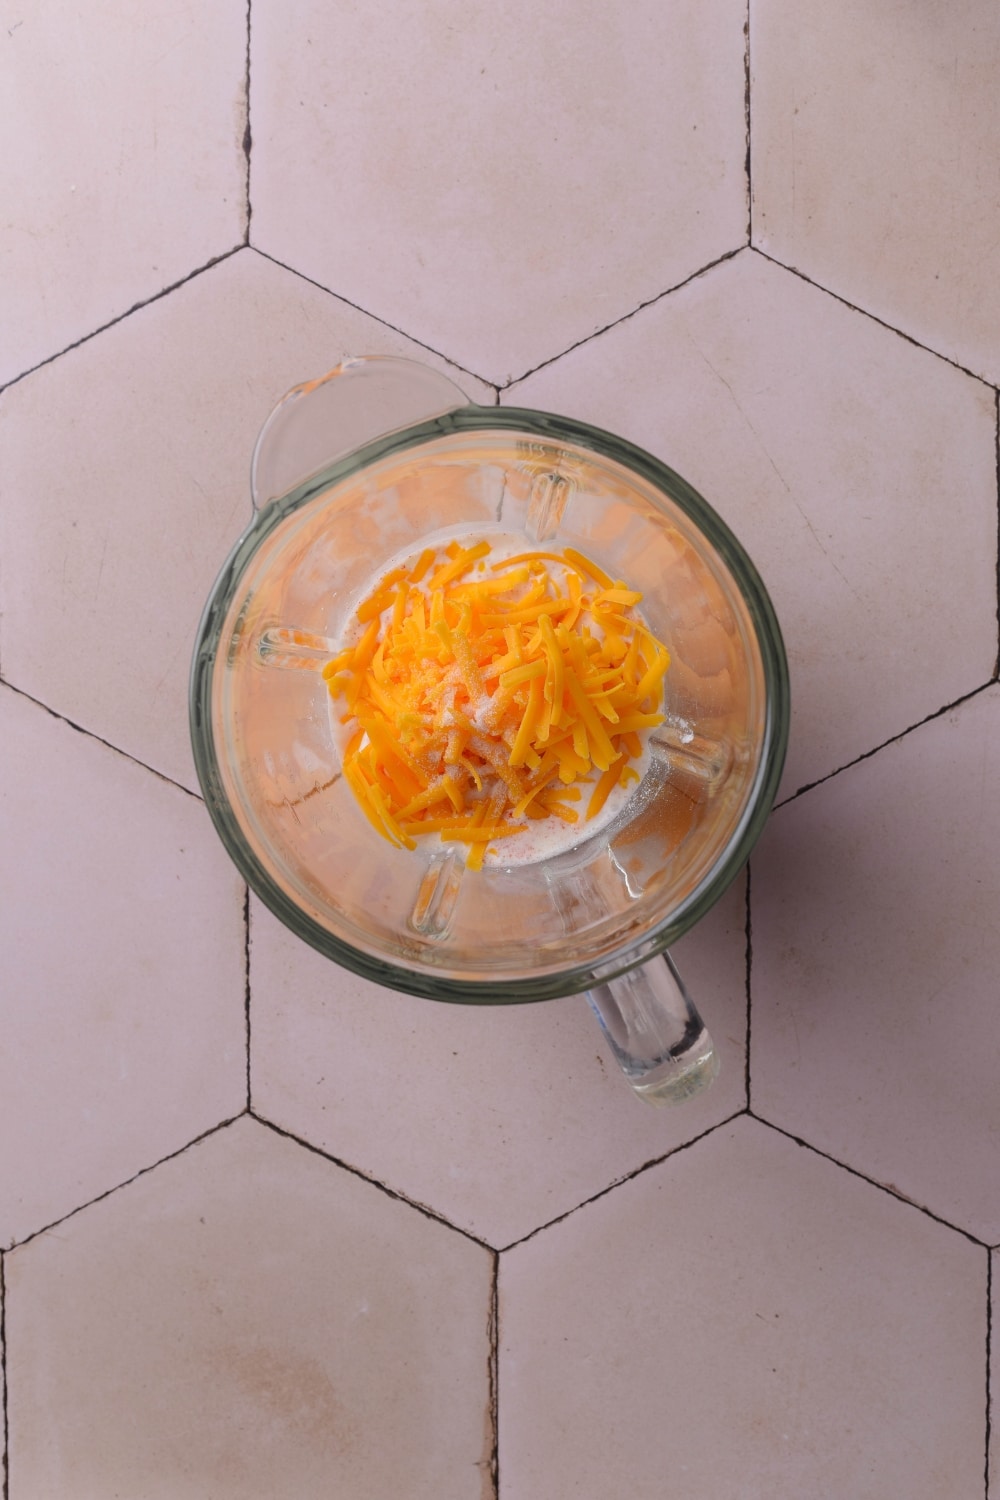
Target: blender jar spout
x=322 y=420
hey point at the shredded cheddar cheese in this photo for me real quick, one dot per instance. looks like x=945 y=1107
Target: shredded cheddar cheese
x=477 y=697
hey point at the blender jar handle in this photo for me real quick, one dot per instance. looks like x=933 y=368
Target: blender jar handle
x=322 y=420
x=655 y=1032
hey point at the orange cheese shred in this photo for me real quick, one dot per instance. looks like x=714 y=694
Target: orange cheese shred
x=475 y=703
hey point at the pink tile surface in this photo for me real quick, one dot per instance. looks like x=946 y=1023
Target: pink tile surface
x=126 y=471
x=122 y=1007
x=875 y=959
x=560 y=169
x=874 y=165
x=124 y=169
x=480 y=1112
x=827 y=444
x=271 y=1326
x=692 y=1307
x=745 y=1319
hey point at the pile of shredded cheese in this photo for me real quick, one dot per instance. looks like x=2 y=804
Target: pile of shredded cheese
x=478 y=697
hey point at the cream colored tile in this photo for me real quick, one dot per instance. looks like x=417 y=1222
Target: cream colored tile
x=745 y=1320
x=249 y=1321
x=858 y=471
x=498 y=183
x=875 y=162
x=124 y=467
x=875 y=960
x=124 y=167
x=499 y=1118
x=122 y=1008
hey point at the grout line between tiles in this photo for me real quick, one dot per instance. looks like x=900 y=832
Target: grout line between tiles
x=492 y=1376
x=90 y=735
x=794 y=271
x=749 y=984
x=893 y=739
x=5 y=1434
x=374 y=316
x=247 y=133
x=414 y=1203
x=989 y=1362
x=628 y=1176
x=246 y=982
x=883 y=1187
x=617 y=322
x=142 y=1172
x=136 y=307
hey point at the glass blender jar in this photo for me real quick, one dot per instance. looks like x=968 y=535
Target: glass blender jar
x=359 y=467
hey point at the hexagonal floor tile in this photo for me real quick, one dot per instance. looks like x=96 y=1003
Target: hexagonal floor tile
x=124 y=467
x=123 y=997
x=875 y=960
x=744 y=1319
x=477 y=1111
x=498 y=184
x=128 y=172
x=858 y=471
x=874 y=161
x=249 y=1321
